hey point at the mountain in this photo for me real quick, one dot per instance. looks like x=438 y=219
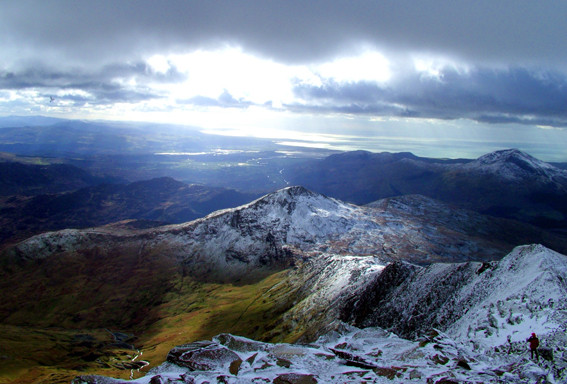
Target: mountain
x=152 y=202
x=512 y=184
x=361 y=177
x=322 y=238
x=516 y=165
x=483 y=314
x=29 y=121
x=507 y=183
x=282 y=268
x=486 y=302
x=27 y=179
x=296 y=220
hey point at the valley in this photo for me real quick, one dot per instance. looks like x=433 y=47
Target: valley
x=45 y=350
x=122 y=242
x=280 y=269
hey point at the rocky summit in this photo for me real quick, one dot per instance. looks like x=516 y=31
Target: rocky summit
x=347 y=355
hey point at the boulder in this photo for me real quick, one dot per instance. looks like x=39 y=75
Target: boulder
x=202 y=356
x=252 y=358
x=463 y=364
x=283 y=363
x=295 y=378
x=186 y=379
x=389 y=373
x=353 y=360
x=439 y=359
x=234 y=367
x=157 y=380
x=238 y=343
x=546 y=353
x=447 y=381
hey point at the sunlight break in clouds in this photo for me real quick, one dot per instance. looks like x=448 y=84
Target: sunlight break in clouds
x=211 y=74
x=261 y=68
x=244 y=78
x=433 y=67
x=228 y=90
x=369 y=66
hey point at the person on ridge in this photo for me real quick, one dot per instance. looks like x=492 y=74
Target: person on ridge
x=534 y=344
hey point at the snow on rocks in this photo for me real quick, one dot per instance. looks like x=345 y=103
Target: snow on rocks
x=327 y=282
x=525 y=292
x=482 y=339
x=202 y=356
x=515 y=165
x=490 y=307
x=273 y=231
x=347 y=355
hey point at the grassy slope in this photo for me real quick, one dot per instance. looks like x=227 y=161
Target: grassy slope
x=47 y=310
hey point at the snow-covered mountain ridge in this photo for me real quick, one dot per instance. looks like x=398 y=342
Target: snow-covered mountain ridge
x=499 y=305
x=273 y=231
x=494 y=303
x=507 y=183
x=358 y=264
x=513 y=164
x=337 y=249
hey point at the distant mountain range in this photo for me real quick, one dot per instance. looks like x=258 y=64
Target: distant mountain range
x=149 y=203
x=507 y=183
x=28 y=179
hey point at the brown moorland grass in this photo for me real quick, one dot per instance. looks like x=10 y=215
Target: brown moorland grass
x=57 y=315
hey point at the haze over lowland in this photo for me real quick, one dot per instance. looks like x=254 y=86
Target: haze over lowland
x=436 y=79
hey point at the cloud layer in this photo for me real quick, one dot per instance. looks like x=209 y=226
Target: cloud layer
x=490 y=62
x=481 y=94
x=294 y=31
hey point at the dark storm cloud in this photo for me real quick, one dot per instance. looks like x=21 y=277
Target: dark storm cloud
x=289 y=31
x=515 y=52
x=38 y=76
x=105 y=85
x=482 y=94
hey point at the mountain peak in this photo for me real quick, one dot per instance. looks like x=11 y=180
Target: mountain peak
x=506 y=155
x=286 y=196
x=514 y=164
x=296 y=190
x=534 y=259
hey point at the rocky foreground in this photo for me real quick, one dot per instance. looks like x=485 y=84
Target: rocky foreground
x=349 y=355
x=499 y=303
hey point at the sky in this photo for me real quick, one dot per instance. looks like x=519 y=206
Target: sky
x=437 y=78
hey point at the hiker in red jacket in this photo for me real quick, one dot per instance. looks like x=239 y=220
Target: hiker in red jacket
x=534 y=343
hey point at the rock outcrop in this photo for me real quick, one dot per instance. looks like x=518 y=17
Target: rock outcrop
x=495 y=304
x=346 y=355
